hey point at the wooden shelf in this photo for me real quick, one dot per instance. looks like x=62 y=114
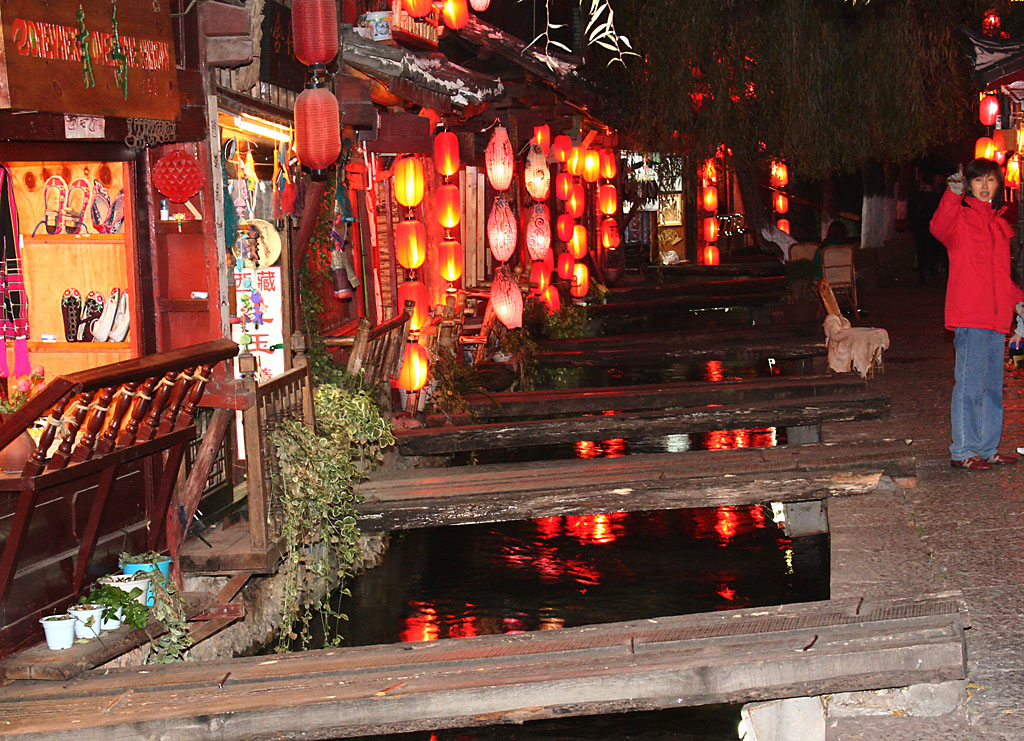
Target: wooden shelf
x=71 y=239
x=90 y=347
x=187 y=226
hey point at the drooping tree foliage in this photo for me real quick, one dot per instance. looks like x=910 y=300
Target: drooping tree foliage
x=827 y=85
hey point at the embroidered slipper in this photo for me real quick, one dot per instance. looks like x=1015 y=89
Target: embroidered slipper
x=76 y=206
x=120 y=329
x=91 y=310
x=55 y=193
x=71 y=310
x=101 y=327
x=115 y=222
x=100 y=208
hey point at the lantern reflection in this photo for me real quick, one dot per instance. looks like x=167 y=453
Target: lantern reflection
x=421 y=624
x=726 y=524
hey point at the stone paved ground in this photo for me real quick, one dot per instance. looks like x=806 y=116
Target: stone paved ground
x=953 y=530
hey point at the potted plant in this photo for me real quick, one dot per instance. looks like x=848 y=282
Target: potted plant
x=88 y=620
x=138 y=581
x=119 y=605
x=14 y=457
x=59 y=631
x=134 y=563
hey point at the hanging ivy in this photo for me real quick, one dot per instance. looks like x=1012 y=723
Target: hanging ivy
x=315 y=277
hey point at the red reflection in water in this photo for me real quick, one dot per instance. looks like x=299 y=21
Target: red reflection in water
x=614 y=448
x=586 y=449
x=757 y=516
x=713 y=370
x=464 y=627
x=742 y=438
x=727 y=592
x=726 y=524
x=549 y=527
x=422 y=624
x=512 y=625
x=592 y=529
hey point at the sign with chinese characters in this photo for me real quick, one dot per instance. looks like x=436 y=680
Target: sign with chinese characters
x=278 y=64
x=258 y=302
x=94 y=57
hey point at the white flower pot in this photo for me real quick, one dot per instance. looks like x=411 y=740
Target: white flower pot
x=114 y=623
x=127 y=582
x=59 y=631
x=88 y=620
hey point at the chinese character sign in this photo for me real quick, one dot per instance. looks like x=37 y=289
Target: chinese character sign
x=257 y=319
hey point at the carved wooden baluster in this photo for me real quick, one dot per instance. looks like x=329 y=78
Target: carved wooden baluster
x=122 y=402
x=143 y=398
x=37 y=462
x=72 y=425
x=202 y=378
x=185 y=381
x=93 y=424
x=163 y=390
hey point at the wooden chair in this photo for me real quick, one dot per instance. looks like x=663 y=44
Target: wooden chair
x=803 y=251
x=838 y=269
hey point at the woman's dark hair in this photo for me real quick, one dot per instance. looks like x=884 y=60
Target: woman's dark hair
x=979 y=168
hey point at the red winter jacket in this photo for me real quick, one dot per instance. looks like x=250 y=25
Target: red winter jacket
x=980 y=292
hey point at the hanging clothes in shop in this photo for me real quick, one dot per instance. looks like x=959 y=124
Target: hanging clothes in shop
x=14 y=317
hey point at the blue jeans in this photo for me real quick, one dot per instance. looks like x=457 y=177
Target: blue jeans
x=976 y=413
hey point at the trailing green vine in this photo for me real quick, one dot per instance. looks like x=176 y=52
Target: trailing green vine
x=315 y=276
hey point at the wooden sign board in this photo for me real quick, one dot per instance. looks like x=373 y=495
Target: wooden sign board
x=278 y=64
x=43 y=65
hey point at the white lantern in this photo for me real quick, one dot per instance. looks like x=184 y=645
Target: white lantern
x=502 y=231
x=538 y=233
x=499 y=160
x=537 y=176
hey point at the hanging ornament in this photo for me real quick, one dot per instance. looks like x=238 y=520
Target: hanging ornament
x=415 y=367
x=574 y=206
x=985 y=148
x=565 y=265
x=540 y=278
x=542 y=138
x=781 y=203
x=710 y=198
x=536 y=177
x=498 y=159
x=607 y=199
x=578 y=243
x=560 y=147
x=780 y=174
x=580 y=280
x=317 y=130
x=563 y=186
x=415 y=291
x=783 y=224
x=988 y=110
x=564 y=227
x=418 y=8
x=574 y=162
x=538 y=233
x=610 y=234
x=552 y=299
x=450 y=260
x=409 y=181
x=710 y=228
x=177 y=175
x=315 y=31
x=506 y=298
x=410 y=244
x=455 y=14
x=446 y=153
x=609 y=164
x=591 y=165
x=1013 y=172
x=710 y=254
x=502 y=231
x=479 y=5
x=448 y=206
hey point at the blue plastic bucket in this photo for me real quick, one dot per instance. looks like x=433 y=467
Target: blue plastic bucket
x=133 y=568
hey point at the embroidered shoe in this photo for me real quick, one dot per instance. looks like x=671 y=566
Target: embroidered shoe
x=92 y=308
x=101 y=327
x=119 y=330
x=1002 y=459
x=974 y=463
x=71 y=312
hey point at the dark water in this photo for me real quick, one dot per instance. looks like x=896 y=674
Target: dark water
x=656 y=318
x=628 y=375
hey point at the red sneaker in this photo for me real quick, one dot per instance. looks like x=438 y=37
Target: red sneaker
x=974 y=463
x=1002 y=459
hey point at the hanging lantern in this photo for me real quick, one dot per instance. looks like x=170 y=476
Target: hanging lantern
x=988 y=110
x=418 y=8
x=552 y=299
x=448 y=206
x=538 y=233
x=502 y=231
x=498 y=159
x=565 y=265
x=455 y=14
x=542 y=138
x=984 y=148
x=780 y=174
x=710 y=254
x=1000 y=157
x=783 y=224
x=580 y=280
x=560 y=147
x=1013 y=172
x=536 y=177
x=607 y=199
x=409 y=181
x=609 y=164
x=506 y=298
x=450 y=260
x=317 y=130
x=781 y=203
x=410 y=244
x=564 y=227
x=563 y=186
x=710 y=173
x=574 y=206
x=710 y=198
x=578 y=243
x=610 y=234
x=415 y=367
x=315 y=31
x=591 y=165
x=415 y=291
x=540 y=278
x=446 y=153
x=574 y=161
x=711 y=229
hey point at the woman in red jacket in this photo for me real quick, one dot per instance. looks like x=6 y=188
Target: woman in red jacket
x=981 y=298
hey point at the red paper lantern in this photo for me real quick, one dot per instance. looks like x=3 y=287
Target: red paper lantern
x=552 y=299
x=1000 y=157
x=450 y=260
x=783 y=224
x=985 y=148
x=415 y=367
x=448 y=206
x=780 y=175
x=1013 y=172
x=711 y=229
x=540 y=278
x=711 y=255
x=446 y=152
x=610 y=234
x=178 y=175
x=506 y=298
x=560 y=147
x=563 y=186
x=574 y=162
x=502 y=231
x=315 y=31
x=710 y=198
x=498 y=159
x=317 y=130
x=580 y=280
x=536 y=176
x=418 y=8
x=415 y=291
x=564 y=227
x=591 y=166
x=781 y=203
x=609 y=164
x=410 y=244
x=455 y=14
x=607 y=199
x=988 y=110
x=542 y=138
x=409 y=181
x=574 y=206
x=578 y=243
x=566 y=262
x=538 y=233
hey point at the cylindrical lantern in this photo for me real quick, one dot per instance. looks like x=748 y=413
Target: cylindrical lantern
x=781 y=203
x=578 y=243
x=564 y=227
x=450 y=260
x=560 y=147
x=448 y=206
x=985 y=148
x=506 y=298
x=415 y=367
x=710 y=228
x=1013 y=172
x=783 y=224
x=551 y=298
x=610 y=234
x=536 y=177
x=574 y=161
x=565 y=265
x=988 y=110
x=409 y=181
x=580 y=280
x=502 y=231
x=540 y=278
x=607 y=199
x=574 y=206
x=317 y=130
x=609 y=164
x=479 y=5
x=538 y=233
x=542 y=138
x=591 y=165
x=418 y=8
x=410 y=244
x=711 y=254
x=455 y=14
x=780 y=175
x=710 y=198
x=446 y=152
x=415 y=291
x=315 y=31
x=498 y=159
x=563 y=186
